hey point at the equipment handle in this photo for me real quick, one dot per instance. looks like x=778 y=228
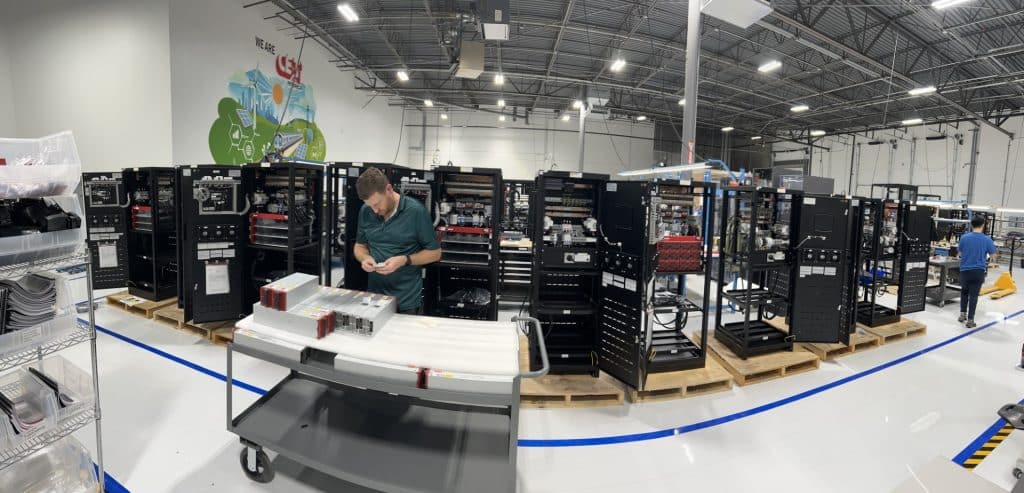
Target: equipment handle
x=540 y=342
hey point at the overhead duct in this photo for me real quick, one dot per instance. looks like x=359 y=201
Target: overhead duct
x=493 y=19
x=471 y=59
x=740 y=13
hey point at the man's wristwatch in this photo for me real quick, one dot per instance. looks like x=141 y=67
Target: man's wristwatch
x=408 y=260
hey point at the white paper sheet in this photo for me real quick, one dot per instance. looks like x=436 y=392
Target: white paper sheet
x=217 y=279
x=108 y=256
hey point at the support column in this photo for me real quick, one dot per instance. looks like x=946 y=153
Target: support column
x=972 y=172
x=583 y=134
x=690 y=82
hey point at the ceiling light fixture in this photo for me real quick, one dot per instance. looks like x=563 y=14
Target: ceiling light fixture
x=912 y=121
x=618 y=65
x=665 y=169
x=1010 y=211
x=501 y=103
x=501 y=118
x=428 y=103
x=403 y=75
x=800 y=108
x=444 y=116
x=756 y=137
x=920 y=91
x=942 y=4
x=347 y=12
x=641 y=118
x=499 y=79
x=818 y=133
x=565 y=117
x=577 y=104
x=728 y=129
x=682 y=102
x=769 y=67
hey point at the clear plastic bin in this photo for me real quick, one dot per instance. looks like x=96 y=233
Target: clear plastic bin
x=64 y=323
x=73 y=384
x=30 y=247
x=64 y=466
x=40 y=167
x=35 y=405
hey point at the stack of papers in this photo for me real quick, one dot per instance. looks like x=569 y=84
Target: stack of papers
x=28 y=302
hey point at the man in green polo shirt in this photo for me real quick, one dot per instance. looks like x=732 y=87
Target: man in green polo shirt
x=394 y=240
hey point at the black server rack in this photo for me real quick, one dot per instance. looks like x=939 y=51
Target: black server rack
x=639 y=222
x=285 y=222
x=464 y=284
x=212 y=233
x=106 y=219
x=879 y=223
x=151 y=239
x=915 y=249
x=415 y=183
x=516 y=247
x=566 y=271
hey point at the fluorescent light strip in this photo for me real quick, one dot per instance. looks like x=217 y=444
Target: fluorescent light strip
x=800 y=108
x=641 y=118
x=444 y=116
x=577 y=104
x=499 y=79
x=501 y=118
x=818 y=133
x=682 y=102
x=913 y=121
x=428 y=103
x=756 y=137
x=1010 y=211
x=920 y=91
x=501 y=103
x=347 y=12
x=979 y=207
x=769 y=67
x=565 y=117
x=618 y=65
x=942 y=4
x=402 y=75
x=728 y=129
x=667 y=169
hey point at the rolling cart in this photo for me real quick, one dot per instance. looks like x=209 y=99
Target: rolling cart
x=944 y=292
x=372 y=429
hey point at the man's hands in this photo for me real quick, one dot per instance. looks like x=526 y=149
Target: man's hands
x=369 y=265
x=390 y=265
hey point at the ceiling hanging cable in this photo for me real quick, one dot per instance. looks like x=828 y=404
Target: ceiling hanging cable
x=892 y=73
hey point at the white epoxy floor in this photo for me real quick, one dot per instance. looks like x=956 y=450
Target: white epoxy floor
x=164 y=423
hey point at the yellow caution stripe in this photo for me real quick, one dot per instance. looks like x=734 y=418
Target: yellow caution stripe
x=989 y=447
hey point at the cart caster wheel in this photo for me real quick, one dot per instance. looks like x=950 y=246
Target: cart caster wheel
x=1017 y=473
x=262 y=472
x=942 y=304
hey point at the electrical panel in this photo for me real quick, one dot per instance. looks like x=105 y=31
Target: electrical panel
x=212 y=232
x=105 y=218
x=414 y=183
x=285 y=222
x=915 y=248
x=151 y=232
x=566 y=269
x=464 y=284
x=516 y=247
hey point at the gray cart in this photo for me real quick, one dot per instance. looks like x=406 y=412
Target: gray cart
x=944 y=291
x=379 y=434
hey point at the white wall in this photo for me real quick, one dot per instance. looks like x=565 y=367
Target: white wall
x=98 y=68
x=7 y=124
x=934 y=162
x=211 y=40
x=479 y=139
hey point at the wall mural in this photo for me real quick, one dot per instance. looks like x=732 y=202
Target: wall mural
x=260 y=117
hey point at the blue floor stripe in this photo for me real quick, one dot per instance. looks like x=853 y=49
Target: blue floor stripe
x=980 y=441
x=633 y=437
x=110 y=485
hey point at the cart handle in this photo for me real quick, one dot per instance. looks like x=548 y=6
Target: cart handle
x=540 y=342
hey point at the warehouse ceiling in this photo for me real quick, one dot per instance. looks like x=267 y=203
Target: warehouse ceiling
x=851 y=62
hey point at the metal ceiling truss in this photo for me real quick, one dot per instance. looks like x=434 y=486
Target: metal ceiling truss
x=855 y=77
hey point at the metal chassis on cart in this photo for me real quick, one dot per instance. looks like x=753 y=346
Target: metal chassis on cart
x=385 y=465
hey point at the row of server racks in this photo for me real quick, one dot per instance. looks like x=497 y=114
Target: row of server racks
x=209 y=234
x=807 y=258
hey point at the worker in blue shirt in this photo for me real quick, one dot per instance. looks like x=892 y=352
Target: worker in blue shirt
x=974 y=249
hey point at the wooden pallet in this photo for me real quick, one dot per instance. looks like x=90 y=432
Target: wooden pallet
x=859 y=341
x=681 y=384
x=761 y=368
x=174 y=317
x=904 y=329
x=554 y=391
x=223 y=336
x=138 y=305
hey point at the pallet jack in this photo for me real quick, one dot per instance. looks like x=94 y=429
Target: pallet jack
x=1004 y=285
